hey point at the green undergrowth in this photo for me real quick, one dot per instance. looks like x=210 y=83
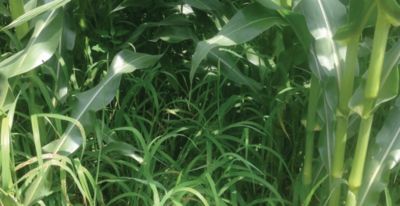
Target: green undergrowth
x=199 y=102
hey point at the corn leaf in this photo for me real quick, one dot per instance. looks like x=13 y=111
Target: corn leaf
x=323 y=18
x=99 y=97
x=383 y=158
x=40 y=48
x=53 y=5
x=244 y=26
x=389 y=83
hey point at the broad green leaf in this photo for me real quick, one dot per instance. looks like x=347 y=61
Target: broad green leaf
x=244 y=26
x=326 y=114
x=40 y=48
x=323 y=18
x=382 y=160
x=53 y=5
x=389 y=83
x=99 y=97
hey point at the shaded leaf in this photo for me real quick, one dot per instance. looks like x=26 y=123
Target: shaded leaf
x=244 y=26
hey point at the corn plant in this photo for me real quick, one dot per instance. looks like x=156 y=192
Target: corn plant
x=199 y=102
x=335 y=37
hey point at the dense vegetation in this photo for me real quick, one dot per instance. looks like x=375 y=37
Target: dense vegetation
x=199 y=102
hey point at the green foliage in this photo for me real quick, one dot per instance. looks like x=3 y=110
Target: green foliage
x=199 y=102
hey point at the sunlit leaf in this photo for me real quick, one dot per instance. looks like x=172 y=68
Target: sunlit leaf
x=323 y=18
x=36 y=12
x=40 y=48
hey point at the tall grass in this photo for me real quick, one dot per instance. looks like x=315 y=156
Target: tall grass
x=198 y=102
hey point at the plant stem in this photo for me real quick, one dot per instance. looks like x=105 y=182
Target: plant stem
x=345 y=91
x=311 y=121
x=371 y=92
x=16 y=10
x=378 y=52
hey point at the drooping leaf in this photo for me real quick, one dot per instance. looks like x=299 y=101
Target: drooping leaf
x=99 y=97
x=385 y=156
x=40 y=48
x=244 y=26
x=53 y=5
